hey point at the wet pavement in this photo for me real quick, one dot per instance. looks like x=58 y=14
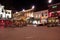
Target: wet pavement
x=30 y=33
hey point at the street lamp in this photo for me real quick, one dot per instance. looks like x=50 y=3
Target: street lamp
x=33 y=7
x=16 y=12
x=23 y=10
x=49 y=1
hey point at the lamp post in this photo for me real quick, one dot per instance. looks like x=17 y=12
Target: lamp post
x=23 y=10
x=33 y=7
x=49 y=1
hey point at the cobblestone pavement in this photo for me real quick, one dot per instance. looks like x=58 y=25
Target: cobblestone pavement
x=30 y=33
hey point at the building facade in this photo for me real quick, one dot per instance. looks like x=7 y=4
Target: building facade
x=5 y=17
x=5 y=14
x=41 y=16
x=30 y=15
x=25 y=15
x=8 y=14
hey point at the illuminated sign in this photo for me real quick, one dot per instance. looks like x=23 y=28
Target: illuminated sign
x=54 y=6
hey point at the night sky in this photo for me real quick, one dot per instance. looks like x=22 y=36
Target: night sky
x=18 y=5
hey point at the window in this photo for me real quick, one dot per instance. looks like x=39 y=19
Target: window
x=2 y=10
x=45 y=12
x=5 y=12
x=42 y=14
x=8 y=12
x=7 y=17
x=46 y=15
x=0 y=16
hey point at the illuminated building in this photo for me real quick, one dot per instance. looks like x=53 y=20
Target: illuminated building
x=41 y=16
x=29 y=15
x=5 y=14
x=24 y=14
x=8 y=14
x=54 y=15
x=5 y=17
